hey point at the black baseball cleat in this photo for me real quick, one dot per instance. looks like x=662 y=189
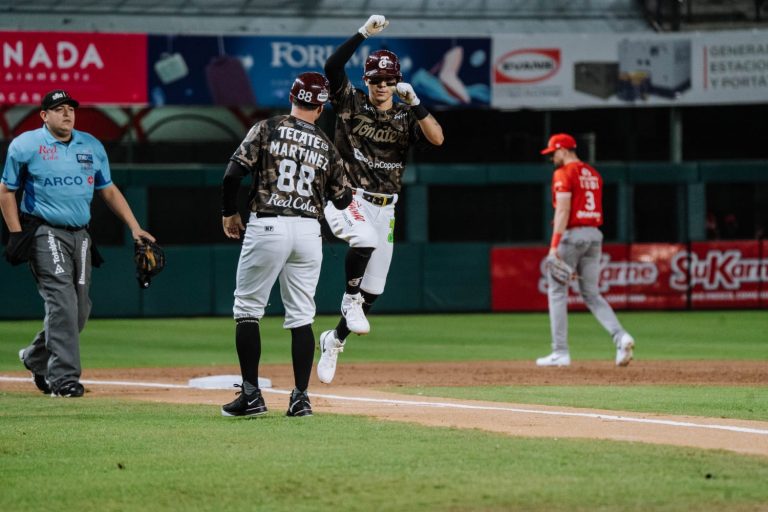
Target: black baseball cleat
x=299 y=404
x=39 y=378
x=70 y=390
x=245 y=405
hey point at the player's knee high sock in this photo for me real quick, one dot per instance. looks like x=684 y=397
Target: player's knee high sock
x=354 y=267
x=369 y=299
x=341 y=329
x=248 y=343
x=302 y=352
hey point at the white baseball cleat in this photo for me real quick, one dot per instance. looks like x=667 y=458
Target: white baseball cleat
x=555 y=359
x=352 y=311
x=330 y=346
x=624 y=350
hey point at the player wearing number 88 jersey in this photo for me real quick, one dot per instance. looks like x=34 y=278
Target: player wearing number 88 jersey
x=578 y=201
x=295 y=170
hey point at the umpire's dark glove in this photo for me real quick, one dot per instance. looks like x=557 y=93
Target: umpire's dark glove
x=18 y=248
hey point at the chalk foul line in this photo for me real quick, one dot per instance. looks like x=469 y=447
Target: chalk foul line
x=443 y=405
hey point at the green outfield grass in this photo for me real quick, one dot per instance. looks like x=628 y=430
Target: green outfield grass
x=739 y=335
x=107 y=455
x=98 y=454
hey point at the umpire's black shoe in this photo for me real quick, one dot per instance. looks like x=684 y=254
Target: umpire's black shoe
x=70 y=390
x=39 y=378
x=299 y=404
x=245 y=405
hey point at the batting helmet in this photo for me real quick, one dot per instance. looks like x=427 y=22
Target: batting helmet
x=382 y=63
x=310 y=89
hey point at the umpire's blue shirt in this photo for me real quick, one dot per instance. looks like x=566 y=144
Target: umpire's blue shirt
x=58 y=178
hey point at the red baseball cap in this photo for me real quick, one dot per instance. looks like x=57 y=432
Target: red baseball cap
x=558 y=141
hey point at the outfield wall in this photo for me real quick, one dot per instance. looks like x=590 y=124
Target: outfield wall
x=456 y=225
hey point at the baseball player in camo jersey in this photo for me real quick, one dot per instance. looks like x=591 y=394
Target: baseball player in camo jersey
x=577 y=196
x=295 y=168
x=373 y=134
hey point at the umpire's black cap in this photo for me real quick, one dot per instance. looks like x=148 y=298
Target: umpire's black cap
x=58 y=97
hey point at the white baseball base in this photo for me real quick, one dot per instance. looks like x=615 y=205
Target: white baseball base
x=224 y=382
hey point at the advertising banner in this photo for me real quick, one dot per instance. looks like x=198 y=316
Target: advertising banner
x=614 y=70
x=516 y=275
x=654 y=277
x=259 y=71
x=732 y=274
x=93 y=68
x=507 y=71
x=723 y=274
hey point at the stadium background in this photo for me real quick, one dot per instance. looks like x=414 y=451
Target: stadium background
x=689 y=178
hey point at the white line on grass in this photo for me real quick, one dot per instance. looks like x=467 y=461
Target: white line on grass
x=546 y=413
x=443 y=405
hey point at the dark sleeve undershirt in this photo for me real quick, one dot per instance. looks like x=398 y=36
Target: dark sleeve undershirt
x=230 y=185
x=334 y=66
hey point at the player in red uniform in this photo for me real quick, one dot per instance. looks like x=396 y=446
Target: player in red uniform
x=577 y=196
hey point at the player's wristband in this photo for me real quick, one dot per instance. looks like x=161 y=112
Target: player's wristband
x=420 y=112
x=556 y=237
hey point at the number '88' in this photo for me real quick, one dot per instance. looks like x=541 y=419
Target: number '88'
x=304 y=96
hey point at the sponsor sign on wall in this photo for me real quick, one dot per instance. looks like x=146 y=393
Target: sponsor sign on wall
x=643 y=69
x=725 y=274
x=730 y=274
x=507 y=71
x=93 y=68
x=259 y=71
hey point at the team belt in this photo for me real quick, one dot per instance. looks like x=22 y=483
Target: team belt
x=261 y=215
x=378 y=199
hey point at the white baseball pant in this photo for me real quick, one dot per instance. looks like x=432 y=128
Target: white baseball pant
x=364 y=224
x=286 y=247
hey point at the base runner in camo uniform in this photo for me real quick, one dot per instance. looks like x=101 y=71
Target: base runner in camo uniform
x=577 y=195
x=373 y=134
x=295 y=168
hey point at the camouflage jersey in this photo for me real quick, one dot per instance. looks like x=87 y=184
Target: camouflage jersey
x=295 y=167
x=374 y=143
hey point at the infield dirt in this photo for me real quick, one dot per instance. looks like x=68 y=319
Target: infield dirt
x=371 y=390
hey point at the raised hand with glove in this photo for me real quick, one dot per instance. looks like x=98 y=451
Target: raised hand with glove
x=406 y=94
x=373 y=26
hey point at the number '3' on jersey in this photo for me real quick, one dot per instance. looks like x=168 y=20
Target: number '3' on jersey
x=585 y=185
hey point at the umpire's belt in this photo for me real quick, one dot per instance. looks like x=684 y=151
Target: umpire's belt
x=43 y=221
x=378 y=199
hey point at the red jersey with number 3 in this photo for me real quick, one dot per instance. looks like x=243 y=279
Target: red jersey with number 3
x=586 y=187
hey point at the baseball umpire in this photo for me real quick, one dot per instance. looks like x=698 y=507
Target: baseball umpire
x=575 y=250
x=373 y=134
x=58 y=168
x=294 y=168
